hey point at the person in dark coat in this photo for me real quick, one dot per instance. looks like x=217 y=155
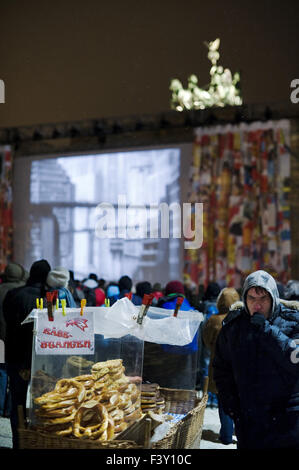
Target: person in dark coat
x=142 y=288
x=58 y=279
x=208 y=306
x=256 y=366
x=17 y=305
x=14 y=276
x=227 y=297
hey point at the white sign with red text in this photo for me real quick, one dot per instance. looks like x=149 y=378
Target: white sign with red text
x=69 y=334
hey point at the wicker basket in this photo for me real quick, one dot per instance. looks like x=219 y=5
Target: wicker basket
x=182 y=435
x=135 y=437
x=185 y=432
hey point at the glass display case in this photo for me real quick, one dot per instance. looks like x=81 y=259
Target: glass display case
x=173 y=365
x=83 y=383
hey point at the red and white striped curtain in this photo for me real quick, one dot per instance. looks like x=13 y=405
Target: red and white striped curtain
x=241 y=174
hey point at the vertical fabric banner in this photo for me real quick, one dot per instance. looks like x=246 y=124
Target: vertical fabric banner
x=6 y=221
x=241 y=173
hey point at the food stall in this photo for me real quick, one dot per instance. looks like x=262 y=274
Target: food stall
x=86 y=387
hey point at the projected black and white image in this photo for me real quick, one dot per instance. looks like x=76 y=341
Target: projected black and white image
x=65 y=193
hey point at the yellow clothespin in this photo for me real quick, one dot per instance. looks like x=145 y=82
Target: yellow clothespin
x=83 y=303
x=107 y=302
x=39 y=303
x=57 y=303
x=63 y=305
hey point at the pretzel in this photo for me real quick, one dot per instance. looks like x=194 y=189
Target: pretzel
x=111 y=364
x=65 y=432
x=117 y=374
x=98 y=385
x=120 y=428
x=110 y=429
x=110 y=400
x=49 y=397
x=91 y=411
x=129 y=409
x=117 y=415
x=133 y=416
x=57 y=404
x=69 y=388
x=59 y=430
x=87 y=380
x=89 y=394
x=64 y=419
x=55 y=413
x=133 y=391
x=124 y=401
x=100 y=377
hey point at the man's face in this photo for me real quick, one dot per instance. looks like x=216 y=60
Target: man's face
x=259 y=300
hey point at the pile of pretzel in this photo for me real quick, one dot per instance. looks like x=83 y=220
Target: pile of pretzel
x=42 y=383
x=114 y=390
x=96 y=406
x=151 y=398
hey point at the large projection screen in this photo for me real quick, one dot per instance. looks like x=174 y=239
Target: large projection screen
x=95 y=212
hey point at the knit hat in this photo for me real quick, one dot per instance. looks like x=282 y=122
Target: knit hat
x=174 y=287
x=90 y=283
x=226 y=298
x=39 y=271
x=143 y=288
x=125 y=283
x=58 y=277
x=15 y=272
x=212 y=291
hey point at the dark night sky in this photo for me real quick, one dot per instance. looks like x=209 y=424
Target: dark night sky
x=69 y=60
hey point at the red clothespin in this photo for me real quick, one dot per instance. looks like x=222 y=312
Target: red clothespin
x=146 y=302
x=129 y=295
x=49 y=297
x=51 y=303
x=179 y=302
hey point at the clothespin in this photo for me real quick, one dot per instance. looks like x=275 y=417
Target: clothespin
x=107 y=302
x=39 y=303
x=179 y=302
x=57 y=304
x=146 y=302
x=51 y=303
x=83 y=303
x=63 y=306
x=129 y=295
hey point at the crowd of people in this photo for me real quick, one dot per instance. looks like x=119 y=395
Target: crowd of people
x=245 y=344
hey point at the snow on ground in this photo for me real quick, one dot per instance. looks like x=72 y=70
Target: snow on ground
x=210 y=433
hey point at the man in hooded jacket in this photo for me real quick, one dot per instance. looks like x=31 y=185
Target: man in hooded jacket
x=256 y=366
